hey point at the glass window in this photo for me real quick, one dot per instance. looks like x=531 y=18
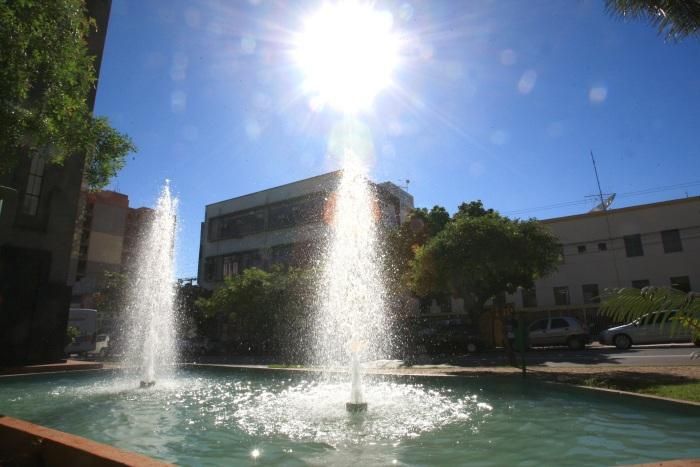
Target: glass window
x=559 y=323
x=540 y=325
x=681 y=283
x=590 y=293
x=561 y=295
x=581 y=249
x=529 y=297
x=640 y=283
x=230 y=266
x=633 y=245
x=602 y=246
x=672 y=241
x=562 y=258
x=30 y=201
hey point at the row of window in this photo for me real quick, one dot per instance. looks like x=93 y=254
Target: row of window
x=295 y=212
x=217 y=268
x=671 y=240
x=591 y=293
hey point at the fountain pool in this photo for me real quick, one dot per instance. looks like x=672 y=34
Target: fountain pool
x=222 y=416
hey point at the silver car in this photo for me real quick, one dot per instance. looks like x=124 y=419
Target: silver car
x=562 y=330
x=652 y=328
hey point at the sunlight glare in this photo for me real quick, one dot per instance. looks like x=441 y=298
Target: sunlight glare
x=347 y=53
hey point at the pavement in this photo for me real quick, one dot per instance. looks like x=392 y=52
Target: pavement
x=63 y=365
x=594 y=355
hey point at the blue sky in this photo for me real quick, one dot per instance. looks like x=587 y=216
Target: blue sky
x=500 y=101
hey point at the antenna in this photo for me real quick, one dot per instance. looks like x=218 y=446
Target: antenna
x=602 y=204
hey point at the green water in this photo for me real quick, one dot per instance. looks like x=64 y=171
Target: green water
x=227 y=417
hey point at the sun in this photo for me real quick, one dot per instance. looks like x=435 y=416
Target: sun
x=347 y=52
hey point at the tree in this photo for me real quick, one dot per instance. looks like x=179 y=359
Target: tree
x=677 y=19
x=46 y=75
x=627 y=304
x=265 y=312
x=481 y=254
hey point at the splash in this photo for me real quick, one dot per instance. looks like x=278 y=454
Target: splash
x=351 y=321
x=151 y=319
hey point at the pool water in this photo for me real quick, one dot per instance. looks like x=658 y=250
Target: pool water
x=209 y=416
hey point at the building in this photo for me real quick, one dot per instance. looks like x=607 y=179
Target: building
x=107 y=238
x=39 y=204
x=282 y=225
x=651 y=244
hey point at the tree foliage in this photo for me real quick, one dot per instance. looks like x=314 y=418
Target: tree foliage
x=46 y=75
x=627 y=304
x=110 y=299
x=264 y=312
x=676 y=19
x=480 y=254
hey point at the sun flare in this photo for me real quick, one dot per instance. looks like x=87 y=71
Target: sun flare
x=347 y=52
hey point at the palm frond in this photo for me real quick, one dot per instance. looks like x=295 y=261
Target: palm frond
x=676 y=19
x=628 y=304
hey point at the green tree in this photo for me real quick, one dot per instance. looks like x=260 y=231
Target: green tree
x=264 y=311
x=677 y=19
x=46 y=75
x=481 y=254
x=628 y=304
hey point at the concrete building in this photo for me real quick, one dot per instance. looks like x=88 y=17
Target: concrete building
x=39 y=204
x=282 y=225
x=108 y=235
x=650 y=244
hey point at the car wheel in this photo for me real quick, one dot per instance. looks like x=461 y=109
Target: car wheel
x=575 y=343
x=472 y=347
x=622 y=341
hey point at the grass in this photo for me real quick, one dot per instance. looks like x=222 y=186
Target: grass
x=683 y=390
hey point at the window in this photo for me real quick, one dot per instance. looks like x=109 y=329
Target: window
x=602 y=246
x=633 y=245
x=559 y=323
x=640 y=283
x=590 y=293
x=681 y=283
x=230 y=266
x=540 y=325
x=672 y=241
x=30 y=202
x=210 y=269
x=529 y=297
x=561 y=295
x=581 y=249
x=561 y=254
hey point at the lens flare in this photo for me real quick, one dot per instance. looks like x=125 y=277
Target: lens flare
x=347 y=52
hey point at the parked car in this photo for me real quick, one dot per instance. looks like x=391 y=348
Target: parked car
x=449 y=336
x=562 y=330
x=101 y=346
x=653 y=328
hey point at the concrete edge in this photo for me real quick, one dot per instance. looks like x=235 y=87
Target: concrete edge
x=59 y=372
x=388 y=372
x=49 y=368
x=24 y=443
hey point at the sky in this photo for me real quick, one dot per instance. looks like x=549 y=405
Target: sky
x=501 y=101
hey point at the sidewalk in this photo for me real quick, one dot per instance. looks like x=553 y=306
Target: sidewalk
x=64 y=365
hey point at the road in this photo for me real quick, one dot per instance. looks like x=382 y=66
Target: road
x=656 y=355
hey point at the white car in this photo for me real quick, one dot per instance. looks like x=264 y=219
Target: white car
x=653 y=328
x=101 y=346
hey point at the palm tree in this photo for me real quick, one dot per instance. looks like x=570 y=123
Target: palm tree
x=677 y=19
x=627 y=304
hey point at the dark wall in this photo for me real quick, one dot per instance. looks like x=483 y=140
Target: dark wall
x=35 y=251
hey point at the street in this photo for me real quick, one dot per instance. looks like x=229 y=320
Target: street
x=647 y=355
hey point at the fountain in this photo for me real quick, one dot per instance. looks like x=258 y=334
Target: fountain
x=351 y=318
x=150 y=324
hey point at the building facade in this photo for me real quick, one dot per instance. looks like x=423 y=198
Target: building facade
x=39 y=205
x=107 y=239
x=652 y=244
x=282 y=225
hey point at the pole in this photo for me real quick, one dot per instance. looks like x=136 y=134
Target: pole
x=607 y=222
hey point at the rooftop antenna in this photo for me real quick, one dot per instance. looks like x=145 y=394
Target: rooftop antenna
x=403 y=184
x=603 y=206
x=597 y=179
